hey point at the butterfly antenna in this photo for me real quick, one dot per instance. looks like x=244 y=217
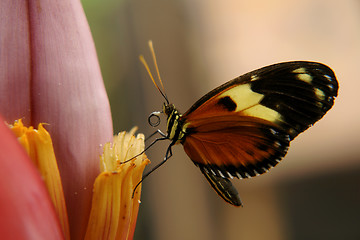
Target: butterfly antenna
x=156 y=65
x=142 y=59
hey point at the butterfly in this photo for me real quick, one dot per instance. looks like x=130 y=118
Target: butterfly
x=244 y=127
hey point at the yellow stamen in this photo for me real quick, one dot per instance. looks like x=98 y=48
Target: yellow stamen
x=38 y=145
x=114 y=210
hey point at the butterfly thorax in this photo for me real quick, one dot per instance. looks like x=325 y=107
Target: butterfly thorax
x=175 y=127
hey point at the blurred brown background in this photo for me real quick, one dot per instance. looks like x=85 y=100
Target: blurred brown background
x=314 y=193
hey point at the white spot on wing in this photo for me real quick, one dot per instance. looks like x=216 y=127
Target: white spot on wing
x=254 y=78
x=302 y=75
x=273 y=132
x=277 y=144
x=221 y=174
x=300 y=70
x=327 y=77
x=319 y=93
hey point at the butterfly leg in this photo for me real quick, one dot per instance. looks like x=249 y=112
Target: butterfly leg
x=167 y=156
x=151 y=144
x=156 y=132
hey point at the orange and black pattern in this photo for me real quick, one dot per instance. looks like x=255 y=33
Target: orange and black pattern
x=244 y=127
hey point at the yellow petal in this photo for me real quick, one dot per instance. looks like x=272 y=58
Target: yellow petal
x=114 y=209
x=38 y=145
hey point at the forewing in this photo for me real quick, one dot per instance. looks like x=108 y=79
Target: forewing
x=291 y=95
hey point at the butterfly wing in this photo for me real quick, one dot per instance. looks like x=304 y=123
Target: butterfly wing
x=236 y=146
x=244 y=127
x=223 y=187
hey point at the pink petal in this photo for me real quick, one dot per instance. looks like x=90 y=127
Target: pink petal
x=15 y=72
x=69 y=94
x=49 y=73
x=26 y=209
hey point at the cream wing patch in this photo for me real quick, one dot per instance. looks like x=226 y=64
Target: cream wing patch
x=319 y=93
x=243 y=96
x=302 y=75
x=263 y=112
x=248 y=102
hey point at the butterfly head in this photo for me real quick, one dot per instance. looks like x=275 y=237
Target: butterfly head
x=168 y=109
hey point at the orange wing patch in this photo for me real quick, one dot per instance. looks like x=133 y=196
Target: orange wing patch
x=237 y=145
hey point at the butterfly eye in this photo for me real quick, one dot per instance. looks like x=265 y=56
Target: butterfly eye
x=168 y=109
x=154 y=119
